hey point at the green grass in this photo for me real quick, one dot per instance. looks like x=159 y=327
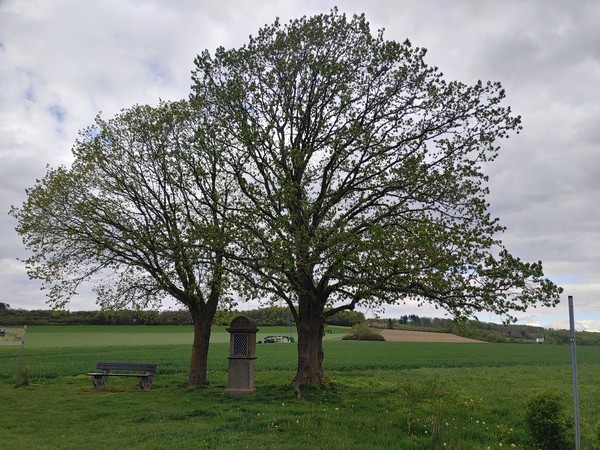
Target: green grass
x=382 y=395
x=134 y=335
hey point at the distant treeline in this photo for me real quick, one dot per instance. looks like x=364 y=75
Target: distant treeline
x=269 y=316
x=485 y=331
x=280 y=316
x=20 y=317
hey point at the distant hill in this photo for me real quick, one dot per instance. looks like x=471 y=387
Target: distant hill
x=486 y=331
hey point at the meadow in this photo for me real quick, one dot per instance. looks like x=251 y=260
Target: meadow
x=381 y=395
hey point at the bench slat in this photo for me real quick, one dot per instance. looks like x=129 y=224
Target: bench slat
x=126 y=366
x=144 y=378
x=113 y=374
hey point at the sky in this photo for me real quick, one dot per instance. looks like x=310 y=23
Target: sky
x=64 y=61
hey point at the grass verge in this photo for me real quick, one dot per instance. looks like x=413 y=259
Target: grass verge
x=382 y=395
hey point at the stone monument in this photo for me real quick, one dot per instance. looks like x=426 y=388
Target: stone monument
x=242 y=356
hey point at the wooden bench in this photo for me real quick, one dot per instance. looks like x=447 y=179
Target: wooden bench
x=144 y=373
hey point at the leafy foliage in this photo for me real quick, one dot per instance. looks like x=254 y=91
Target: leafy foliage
x=361 y=175
x=318 y=164
x=366 y=170
x=132 y=214
x=362 y=332
x=140 y=214
x=548 y=421
x=346 y=318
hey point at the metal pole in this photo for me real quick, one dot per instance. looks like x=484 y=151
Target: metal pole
x=574 y=365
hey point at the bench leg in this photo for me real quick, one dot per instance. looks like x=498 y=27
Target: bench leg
x=99 y=382
x=145 y=382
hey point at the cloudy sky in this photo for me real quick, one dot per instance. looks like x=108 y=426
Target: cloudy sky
x=63 y=61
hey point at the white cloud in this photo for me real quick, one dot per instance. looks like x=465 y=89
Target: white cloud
x=63 y=61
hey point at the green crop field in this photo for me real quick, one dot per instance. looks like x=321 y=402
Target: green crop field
x=382 y=395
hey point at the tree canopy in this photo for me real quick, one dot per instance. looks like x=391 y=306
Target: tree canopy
x=140 y=213
x=319 y=164
x=360 y=173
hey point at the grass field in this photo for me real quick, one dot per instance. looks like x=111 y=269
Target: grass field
x=382 y=395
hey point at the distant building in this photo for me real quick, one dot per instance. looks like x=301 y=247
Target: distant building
x=278 y=339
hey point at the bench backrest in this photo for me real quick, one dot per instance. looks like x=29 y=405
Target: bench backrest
x=148 y=368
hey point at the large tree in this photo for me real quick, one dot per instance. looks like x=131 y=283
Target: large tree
x=361 y=177
x=140 y=213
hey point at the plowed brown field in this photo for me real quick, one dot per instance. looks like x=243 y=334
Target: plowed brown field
x=424 y=336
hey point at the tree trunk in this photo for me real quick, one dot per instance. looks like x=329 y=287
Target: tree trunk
x=199 y=363
x=310 y=325
x=203 y=314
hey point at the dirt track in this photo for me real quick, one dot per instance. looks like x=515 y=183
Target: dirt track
x=424 y=336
